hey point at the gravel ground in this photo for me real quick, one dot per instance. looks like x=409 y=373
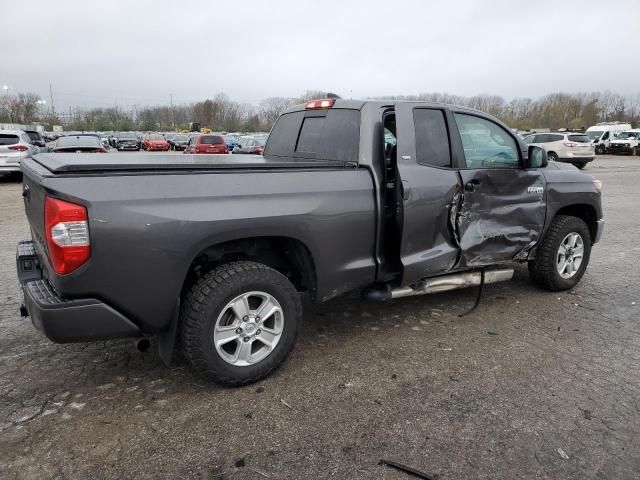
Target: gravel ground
x=496 y=394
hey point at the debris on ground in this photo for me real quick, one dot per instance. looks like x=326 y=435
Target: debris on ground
x=563 y=454
x=404 y=468
x=285 y=403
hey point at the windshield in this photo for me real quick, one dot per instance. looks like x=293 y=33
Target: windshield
x=181 y=138
x=595 y=134
x=127 y=136
x=156 y=137
x=624 y=135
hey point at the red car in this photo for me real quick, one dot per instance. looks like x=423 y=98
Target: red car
x=155 y=142
x=206 y=144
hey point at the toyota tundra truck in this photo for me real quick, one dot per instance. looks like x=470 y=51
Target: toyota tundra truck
x=211 y=256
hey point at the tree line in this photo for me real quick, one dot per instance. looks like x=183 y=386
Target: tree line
x=221 y=113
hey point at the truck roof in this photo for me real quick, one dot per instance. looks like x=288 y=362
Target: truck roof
x=359 y=105
x=93 y=162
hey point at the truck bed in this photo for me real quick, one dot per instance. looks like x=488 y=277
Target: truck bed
x=127 y=162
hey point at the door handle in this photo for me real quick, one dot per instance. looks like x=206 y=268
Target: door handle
x=471 y=185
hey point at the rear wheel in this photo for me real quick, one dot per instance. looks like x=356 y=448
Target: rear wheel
x=552 y=156
x=240 y=322
x=580 y=165
x=563 y=254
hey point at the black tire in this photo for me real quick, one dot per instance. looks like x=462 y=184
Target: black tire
x=580 y=165
x=552 y=156
x=600 y=149
x=206 y=301
x=636 y=151
x=543 y=269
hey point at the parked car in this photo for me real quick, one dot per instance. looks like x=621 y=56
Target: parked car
x=180 y=142
x=575 y=148
x=626 y=142
x=78 y=144
x=218 y=250
x=206 y=144
x=169 y=136
x=231 y=141
x=36 y=138
x=15 y=146
x=155 y=142
x=126 y=141
x=601 y=134
x=249 y=145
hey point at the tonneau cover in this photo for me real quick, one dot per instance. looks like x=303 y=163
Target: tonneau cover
x=98 y=162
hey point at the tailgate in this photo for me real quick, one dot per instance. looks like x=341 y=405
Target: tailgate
x=33 y=194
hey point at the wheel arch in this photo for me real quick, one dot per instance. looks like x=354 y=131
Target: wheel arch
x=288 y=255
x=585 y=212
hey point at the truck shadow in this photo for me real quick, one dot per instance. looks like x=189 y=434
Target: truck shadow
x=328 y=330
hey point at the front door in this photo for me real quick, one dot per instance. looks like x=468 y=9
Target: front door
x=503 y=205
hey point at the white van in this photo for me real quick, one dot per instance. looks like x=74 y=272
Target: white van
x=626 y=142
x=602 y=133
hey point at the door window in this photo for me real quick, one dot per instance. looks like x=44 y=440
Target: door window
x=432 y=139
x=486 y=145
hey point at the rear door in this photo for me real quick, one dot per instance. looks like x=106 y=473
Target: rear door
x=503 y=208
x=430 y=191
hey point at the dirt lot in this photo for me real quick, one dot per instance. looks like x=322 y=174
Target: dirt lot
x=495 y=394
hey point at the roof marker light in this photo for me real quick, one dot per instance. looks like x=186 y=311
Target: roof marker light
x=321 y=103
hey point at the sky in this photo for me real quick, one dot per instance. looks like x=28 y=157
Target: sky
x=142 y=52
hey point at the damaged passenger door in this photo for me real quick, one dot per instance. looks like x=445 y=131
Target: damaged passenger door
x=430 y=191
x=503 y=205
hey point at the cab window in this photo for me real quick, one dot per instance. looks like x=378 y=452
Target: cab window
x=486 y=144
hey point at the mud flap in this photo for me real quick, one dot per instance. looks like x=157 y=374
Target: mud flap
x=167 y=339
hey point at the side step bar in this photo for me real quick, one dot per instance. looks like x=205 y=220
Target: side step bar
x=441 y=284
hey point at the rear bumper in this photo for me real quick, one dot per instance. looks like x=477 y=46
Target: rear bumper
x=10 y=167
x=67 y=320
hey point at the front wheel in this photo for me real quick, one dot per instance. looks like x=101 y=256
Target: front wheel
x=580 y=165
x=240 y=322
x=563 y=254
x=600 y=149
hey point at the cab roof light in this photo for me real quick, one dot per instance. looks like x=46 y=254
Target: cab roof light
x=320 y=103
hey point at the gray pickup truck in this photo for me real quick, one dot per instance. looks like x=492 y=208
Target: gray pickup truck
x=211 y=254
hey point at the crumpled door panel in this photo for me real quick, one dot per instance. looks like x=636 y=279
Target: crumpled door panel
x=501 y=218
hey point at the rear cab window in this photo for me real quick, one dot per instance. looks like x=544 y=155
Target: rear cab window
x=332 y=134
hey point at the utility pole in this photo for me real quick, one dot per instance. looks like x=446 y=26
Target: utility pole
x=53 y=110
x=173 y=117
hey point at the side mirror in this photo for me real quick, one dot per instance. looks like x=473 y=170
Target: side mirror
x=537 y=157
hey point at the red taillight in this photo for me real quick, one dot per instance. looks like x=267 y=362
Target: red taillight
x=322 y=103
x=259 y=150
x=570 y=144
x=67 y=232
x=19 y=148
